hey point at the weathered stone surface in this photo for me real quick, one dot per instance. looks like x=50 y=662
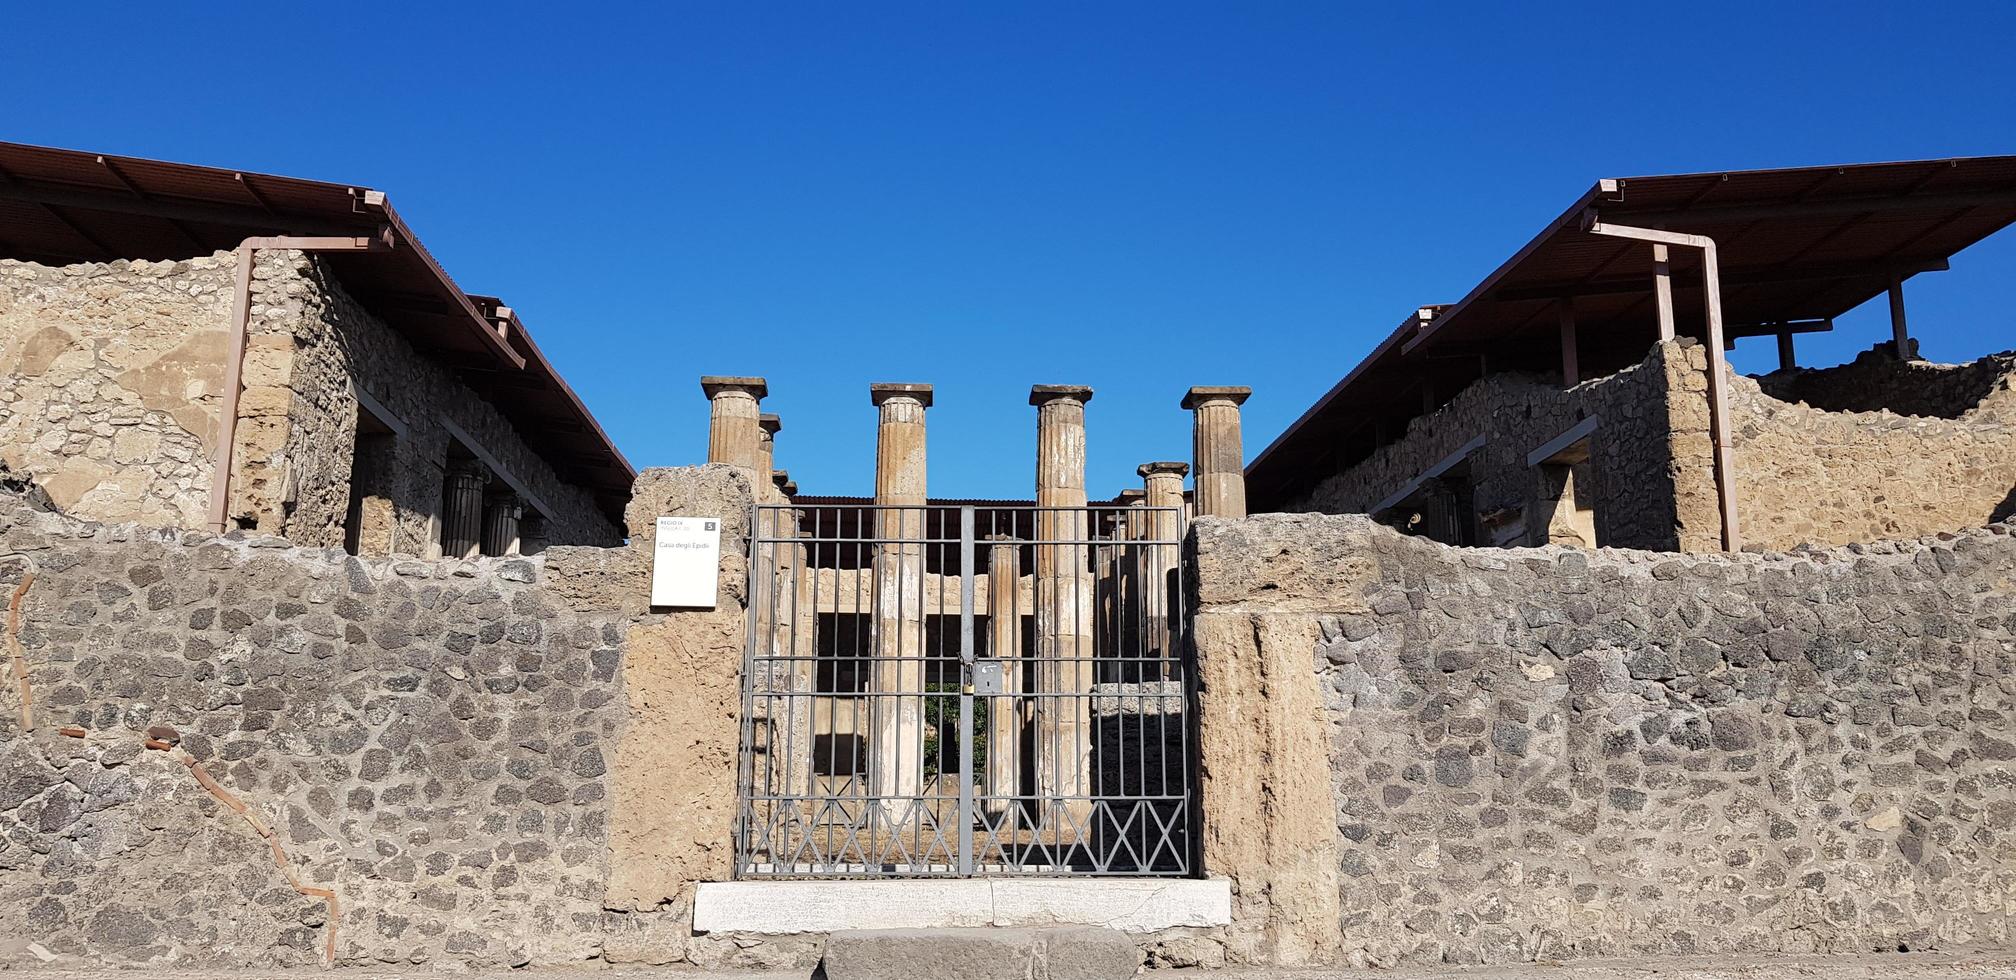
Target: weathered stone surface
x=1637 y=753
x=114 y=388
x=1875 y=449
x=1654 y=486
x=1872 y=450
x=981 y=954
x=683 y=677
x=460 y=750
x=112 y=376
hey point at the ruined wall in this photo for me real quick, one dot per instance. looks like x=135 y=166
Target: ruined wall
x=487 y=763
x=309 y=342
x=1806 y=475
x=1544 y=753
x=115 y=373
x=112 y=377
x=1820 y=471
x=1653 y=431
x=1877 y=381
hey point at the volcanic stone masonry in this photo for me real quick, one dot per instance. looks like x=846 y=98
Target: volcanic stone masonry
x=468 y=754
x=1552 y=752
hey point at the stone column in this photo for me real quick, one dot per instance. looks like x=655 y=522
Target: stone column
x=1004 y=643
x=1129 y=577
x=501 y=512
x=734 y=429
x=766 y=445
x=896 y=715
x=1064 y=608
x=462 y=510
x=1163 y=560
x=1221 y=461
x=534 y=534
x=781 y=479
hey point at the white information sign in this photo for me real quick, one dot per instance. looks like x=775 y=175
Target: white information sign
x=686 y=562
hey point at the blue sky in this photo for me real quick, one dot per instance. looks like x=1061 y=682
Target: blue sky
x=1139 y=197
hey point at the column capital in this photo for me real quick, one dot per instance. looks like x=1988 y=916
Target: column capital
x=1038 y=394
x=882 y=391
x=779 y=478
x=1003 y=539
x=716 y=385
x=771 y=424
x=1236 y=394
x=1132 y=497
x=1161 y=467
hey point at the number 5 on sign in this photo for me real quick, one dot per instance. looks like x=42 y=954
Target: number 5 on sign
x=686 y=562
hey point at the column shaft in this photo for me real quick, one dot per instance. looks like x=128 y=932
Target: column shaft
x=1004 y=643
x=501 y=513
x=1064 y=608
x=896 y=717
x=1163 y=560
x=462 y=510
x=734 y=427
x=1220 y=459
x=766 y=451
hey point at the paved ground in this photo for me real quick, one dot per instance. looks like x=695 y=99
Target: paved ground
x=1911 y=966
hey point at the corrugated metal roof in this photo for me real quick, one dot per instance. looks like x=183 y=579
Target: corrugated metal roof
x=1795 y=245
x=64 y=206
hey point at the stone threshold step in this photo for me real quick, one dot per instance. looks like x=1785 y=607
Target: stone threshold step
x=1135 y=905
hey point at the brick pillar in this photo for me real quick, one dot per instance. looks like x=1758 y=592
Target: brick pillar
x=896 y=716
x=734 y=429
x=1064 y=610
x=1221 y=461
x=501 y=512
x=1162 y=562
x=1006 y=714
x=462 y=509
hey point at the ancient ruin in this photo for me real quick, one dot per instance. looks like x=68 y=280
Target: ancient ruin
x=331 y=639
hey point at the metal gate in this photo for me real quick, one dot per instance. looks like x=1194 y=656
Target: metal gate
x=965 y=690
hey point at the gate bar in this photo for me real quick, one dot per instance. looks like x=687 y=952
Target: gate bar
x=966 y=690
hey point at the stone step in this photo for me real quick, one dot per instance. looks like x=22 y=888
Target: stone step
x=1070 y=953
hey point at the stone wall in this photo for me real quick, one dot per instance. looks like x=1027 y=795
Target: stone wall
x=1840 y=465
x=1877 y=381
x=113 y=373
x=1807 y=475
x=1543 y=753
x=485 y=763
x=1652 y=432
x=309 y=342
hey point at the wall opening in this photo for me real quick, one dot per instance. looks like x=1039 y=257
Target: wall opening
x=1565 y=501
x=369 y=518
x=1442 y=507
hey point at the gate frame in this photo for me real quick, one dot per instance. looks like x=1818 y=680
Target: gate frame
x=1181 y=651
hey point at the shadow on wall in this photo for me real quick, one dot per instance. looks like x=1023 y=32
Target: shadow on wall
x=2005 y=509
x=1877 y=381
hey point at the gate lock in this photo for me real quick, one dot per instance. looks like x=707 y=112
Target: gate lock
x=988 y=677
